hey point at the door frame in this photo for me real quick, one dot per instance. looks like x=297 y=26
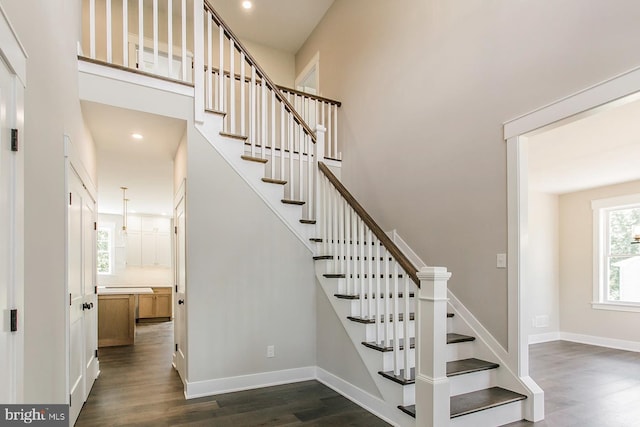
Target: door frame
x=181 y=366
x=312 y=65
x=14 y=56
x=619 y=89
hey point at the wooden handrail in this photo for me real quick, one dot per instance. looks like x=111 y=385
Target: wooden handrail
x=259 y=69
x=311 y=96
x=391 y=247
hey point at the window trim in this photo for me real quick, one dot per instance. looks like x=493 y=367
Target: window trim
x=600 y=284
x=111 y=228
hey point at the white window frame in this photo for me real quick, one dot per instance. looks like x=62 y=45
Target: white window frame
x=600 y=209
x=110 y=228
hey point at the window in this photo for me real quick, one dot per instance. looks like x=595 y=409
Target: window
x=616 y=253
x=105 y=250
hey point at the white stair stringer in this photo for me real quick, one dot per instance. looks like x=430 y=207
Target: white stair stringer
x=231 y=150
x=392 y=393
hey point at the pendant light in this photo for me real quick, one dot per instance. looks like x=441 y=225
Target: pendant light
x=124 y=211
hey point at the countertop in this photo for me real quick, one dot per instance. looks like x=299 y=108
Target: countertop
x=123 y=291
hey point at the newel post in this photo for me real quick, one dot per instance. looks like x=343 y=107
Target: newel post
x=318 y=157
x=432 y=385
x=198 y=60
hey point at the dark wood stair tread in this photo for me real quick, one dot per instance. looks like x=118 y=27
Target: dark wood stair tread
x=253 y=159
x=234 y=135
x=348 y=296
x=467 y=366
x=474 y=402
x=456 y=338
x=359 y=319
x=292 y=202
x=451 y=339
x=210 y=110
x=321 y=257
x=456 y=367
x=480 y=400
x=274 y=181
x=307 y=221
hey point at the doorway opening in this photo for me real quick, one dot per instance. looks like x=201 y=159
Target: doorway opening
x=309 y=79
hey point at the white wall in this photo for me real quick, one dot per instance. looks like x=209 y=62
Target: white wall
x=52 y=109
x=250 y=281
x=576 y=271
x=426 y=86
x=541 y=293
x=279 y=65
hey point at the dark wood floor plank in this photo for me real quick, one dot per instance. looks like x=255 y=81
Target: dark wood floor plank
x=138 y=387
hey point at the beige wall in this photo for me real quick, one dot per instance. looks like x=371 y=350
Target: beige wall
x=541 y=293
x=279 y=65
x=49 y=31
x=576 y=273
x=426 y=86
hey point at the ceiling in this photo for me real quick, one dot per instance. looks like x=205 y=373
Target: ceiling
x=280 y=24
x=144 y=166
x=597 y=150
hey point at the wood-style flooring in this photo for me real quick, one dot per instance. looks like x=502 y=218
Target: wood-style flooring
x=586 y=386
x=138 y=387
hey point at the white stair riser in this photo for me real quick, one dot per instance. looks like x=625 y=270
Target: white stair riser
x=463 y=350
x=370 y=330
x=497 y=416
x=460 y=384
x=387 y=360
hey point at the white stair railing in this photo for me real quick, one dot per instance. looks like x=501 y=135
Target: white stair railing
x=143 y=35
x=318 y=110
x=258 y=113
x=371 y=268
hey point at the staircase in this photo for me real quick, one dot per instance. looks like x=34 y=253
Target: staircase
x=427 y=366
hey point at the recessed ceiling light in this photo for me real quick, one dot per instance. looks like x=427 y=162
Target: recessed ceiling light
x=136 y=136
x=247 y=4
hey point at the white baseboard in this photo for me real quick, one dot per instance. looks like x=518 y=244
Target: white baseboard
x=546 y=337
x=601 y=341
x=248 y=382
x=365 y=400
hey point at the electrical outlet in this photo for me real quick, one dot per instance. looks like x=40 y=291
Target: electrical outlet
x=501 y=261
x=271 y=351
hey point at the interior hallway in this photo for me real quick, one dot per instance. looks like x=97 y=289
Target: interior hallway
x=138 y=386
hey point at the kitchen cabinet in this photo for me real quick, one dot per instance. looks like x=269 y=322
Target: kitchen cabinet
x=116 y=325
x=156 y=306
x=149 y=241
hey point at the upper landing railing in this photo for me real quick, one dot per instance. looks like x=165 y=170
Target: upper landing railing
x=157 y=37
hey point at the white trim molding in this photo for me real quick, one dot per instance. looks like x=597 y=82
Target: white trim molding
x=601 y=341
x=12 y=50
x=194 y=389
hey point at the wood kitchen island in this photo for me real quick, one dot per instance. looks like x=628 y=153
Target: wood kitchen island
x=117 y=315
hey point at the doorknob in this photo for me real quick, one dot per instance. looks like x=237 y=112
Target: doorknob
x=85 y=306
x=180 y=301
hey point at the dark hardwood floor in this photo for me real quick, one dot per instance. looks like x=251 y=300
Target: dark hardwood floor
x=585 y=385
x=138 y=387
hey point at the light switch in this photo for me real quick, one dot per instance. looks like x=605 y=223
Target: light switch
x=501 y=261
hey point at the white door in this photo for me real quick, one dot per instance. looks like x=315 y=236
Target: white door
x=180 y=325
x=83 y=342
x=11 y=238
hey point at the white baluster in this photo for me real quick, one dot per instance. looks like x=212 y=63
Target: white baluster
x=155 y=36
x=370 y=271
x=335 y=237
x=282 y=150
x=169 y=37
x=243 y=83
x=341 y=238
x=252 y=111
x=354 y=253
x=272 y=145
x=125 y=33
x=379 y=297
x=405 y=324
x=300 y=171
x=210 y=63
x=336 y=153
x=325 y=214
x=222 y=105
x=232 y=86
x=184 y=40
x=396 y=322
x=92 y=29
x=140 y=58
x=362 y=268
x=318 y=157
x=330 y=137
x=109 y=37
x=346 y=255
x=263 y=117
x=387 y=290
x=310 y=198
x=290 y=149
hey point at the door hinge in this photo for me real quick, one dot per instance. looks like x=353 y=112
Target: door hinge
x=14 y=139
x=96 y=352
x=69 y=298
x=176 y=347
x=95 y=289
x=176 y=288
x=69 y=400
x=175 y=229
x=70 y=200
x=14 y=320
x=95 y=225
